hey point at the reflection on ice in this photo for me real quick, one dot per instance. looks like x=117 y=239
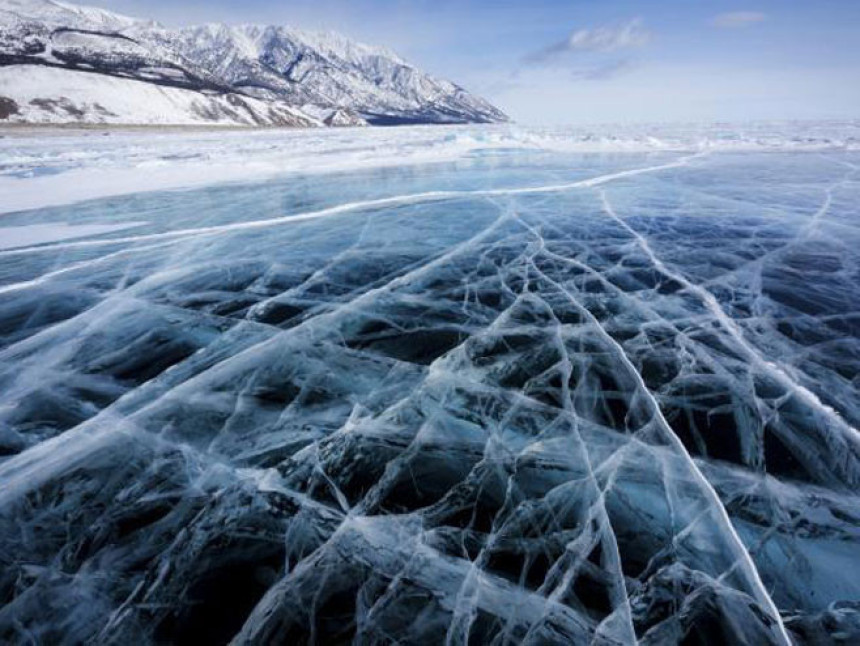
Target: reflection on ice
x=34 y=234
x=534 y=397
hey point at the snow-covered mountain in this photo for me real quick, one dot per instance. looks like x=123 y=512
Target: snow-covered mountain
x=66 y=63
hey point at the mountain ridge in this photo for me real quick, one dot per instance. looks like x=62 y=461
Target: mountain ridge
x=247 y=74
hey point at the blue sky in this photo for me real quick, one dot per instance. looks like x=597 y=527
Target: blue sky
x=596 y=61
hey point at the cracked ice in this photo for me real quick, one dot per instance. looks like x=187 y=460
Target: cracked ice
x=523 y=396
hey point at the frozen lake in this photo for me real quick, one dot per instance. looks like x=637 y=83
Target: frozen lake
x=482 y=385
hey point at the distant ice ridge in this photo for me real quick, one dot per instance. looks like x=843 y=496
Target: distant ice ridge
x=69 y=64
x=730 y=137
x=66 y=167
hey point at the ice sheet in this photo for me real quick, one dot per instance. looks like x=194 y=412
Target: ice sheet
x=34 y=234
x=38 y=171
x=526 y=395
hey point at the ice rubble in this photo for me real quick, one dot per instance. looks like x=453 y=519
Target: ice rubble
x=525 y=398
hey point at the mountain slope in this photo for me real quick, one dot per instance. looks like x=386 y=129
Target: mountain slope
x=248 y=74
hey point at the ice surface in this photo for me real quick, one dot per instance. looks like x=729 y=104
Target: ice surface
x=526 y=395
x=69 y=166
x=30 y=234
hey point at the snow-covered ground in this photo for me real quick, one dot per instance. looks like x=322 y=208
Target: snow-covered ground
x=39 y=170
x=100 y=99
x=496 y=384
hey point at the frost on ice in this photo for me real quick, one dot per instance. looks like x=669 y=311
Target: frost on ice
x=531 y=397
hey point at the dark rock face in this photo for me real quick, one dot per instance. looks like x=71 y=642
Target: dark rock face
x=8 y=107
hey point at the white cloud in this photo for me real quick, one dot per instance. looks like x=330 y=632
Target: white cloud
x=609 y=39
x=738 y=19
x=629 y=35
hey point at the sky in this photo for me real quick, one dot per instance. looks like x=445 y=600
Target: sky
x=555 y=62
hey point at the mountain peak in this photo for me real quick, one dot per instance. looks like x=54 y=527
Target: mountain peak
x=221 y=73
x=66 y=14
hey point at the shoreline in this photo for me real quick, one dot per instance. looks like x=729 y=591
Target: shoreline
x=24 y=129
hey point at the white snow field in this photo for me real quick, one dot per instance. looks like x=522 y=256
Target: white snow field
x=467 y=385
x=102 y=99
